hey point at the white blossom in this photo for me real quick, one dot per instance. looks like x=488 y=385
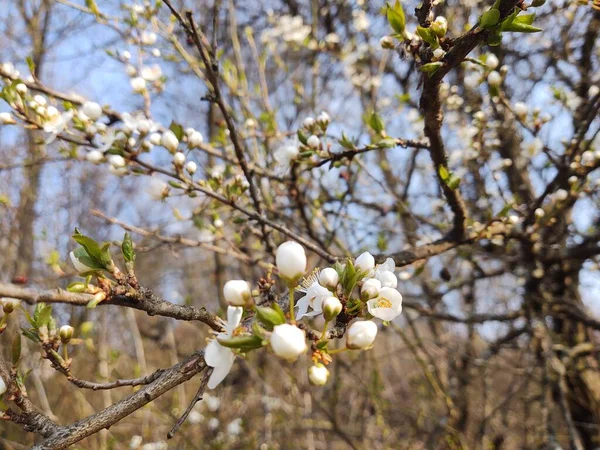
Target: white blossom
x=387 y=306
x=520 y=109
x=6 y=118
x=313 y=297
x=116 y=161
x=135 y=442
x=288 y=341
x=179 y=159
x=151 y=73
x=195 y=139
x=286 y=153
x=494 y=79
x=157 y=189
x=361 y=335
x=218 y=357
x=148 y=38
x=234 y=428
x=138 y=84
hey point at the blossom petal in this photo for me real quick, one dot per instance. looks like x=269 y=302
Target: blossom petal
x=234 y=316
x=221 y=371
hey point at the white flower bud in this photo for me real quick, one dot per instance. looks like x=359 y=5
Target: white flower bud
x=169 y=141
x=218 y=223
x=318 y=374
x=195 y=139
x=21 y=88
x=2 y=386
x=130 y=70
x=361 y=335
x=288 y=341
x=308 y=122
x=94 y=156
x=494 y=79
x=78 y=265
x=329 y=277
x=323 y=119
x=492 y=61
x=178 y=158
x=237 y=292
x=117 y=161
x=138 y=84
x=438 y=54
x=191 y=167
x=156 y=53
x=148 y=38
x=250 y=123
x=513 y=219
x=370 y=289
x=6 y=118
x=562 y=194
x=365 y=262
x=520 y=109
x=313 y=141
x=92 y=110
x=157 y=189
x=291 y=260
x=539 y=213
x=40 y=100
x=137 y=440
x=331 y=308
x=66 y=333
x=386 y=42
x=154 y=139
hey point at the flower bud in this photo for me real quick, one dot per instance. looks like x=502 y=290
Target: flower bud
x=494 y=79
x=78 y=265
x=179 y=159
x=386 y=42
x=154 y=139
x=21 y=88
x=365 y=262
x=329 y=278
x=117 y=161
x=331 y=308
x=138 y=84
x=191 y=167
x=308 y=122
x=313 y=141
x=520 y=109
x=370 y=289
x=438 y=54
x=237 y=293
x=169 y=141
x=92 y=110
x=6 y=118
x=195 y=139
x=158 y=189
x=288 y=341
x=65 y=333
x=94 y=156
x=492 y=61
x=9 y=304
x=361 y=335
x=318 y=374
x=2 y=386
x=291 y=260
x=323 y=119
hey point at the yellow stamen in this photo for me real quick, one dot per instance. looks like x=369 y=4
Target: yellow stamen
x=383 y=303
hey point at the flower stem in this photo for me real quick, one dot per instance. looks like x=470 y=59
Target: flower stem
x=324 y=334
x=292 y=317
x=336 y=350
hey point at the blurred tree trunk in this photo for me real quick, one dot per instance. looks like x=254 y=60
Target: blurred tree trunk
x=37 y=21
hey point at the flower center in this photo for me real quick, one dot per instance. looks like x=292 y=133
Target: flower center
x=383 y=303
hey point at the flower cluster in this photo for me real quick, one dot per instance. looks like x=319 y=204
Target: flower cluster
x=350 y=293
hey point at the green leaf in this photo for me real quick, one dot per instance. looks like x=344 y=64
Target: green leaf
x=517 y=27
x=127 y=248
x=177 y=130
x=30 y=334
x=489 y=18
x=92 y=248
x=431 y=68
x=302 y=137
x=429 y=36
x=346 y=143
x=376 y=123
x=84 y=258
x=42 y=314
x=443 y=171
x=16 y=349
x=269 y=316
x=387 y=143
x=396 y=17
x=242 y=342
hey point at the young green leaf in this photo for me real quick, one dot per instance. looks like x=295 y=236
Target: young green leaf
x=489 y=18
x=127 y=248
x=396 y=17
